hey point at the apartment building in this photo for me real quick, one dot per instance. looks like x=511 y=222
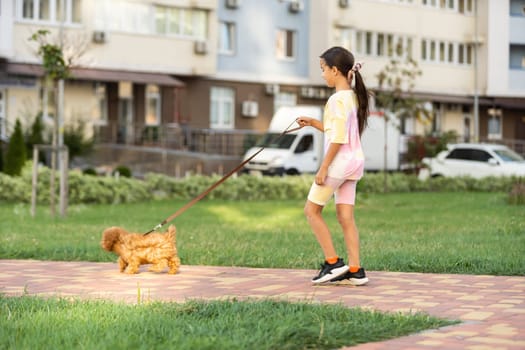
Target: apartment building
x=470 y=52
x=201 y=75
x=126 y=57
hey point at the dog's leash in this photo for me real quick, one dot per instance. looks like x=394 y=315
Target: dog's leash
x=212 y=187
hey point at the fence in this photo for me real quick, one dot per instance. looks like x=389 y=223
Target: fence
x=177 y=137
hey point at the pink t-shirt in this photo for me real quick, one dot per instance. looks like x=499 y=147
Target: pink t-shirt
x=341 y=126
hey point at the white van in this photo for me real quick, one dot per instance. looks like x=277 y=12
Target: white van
x=302 y=151
x=294 y=153
x=378 y=135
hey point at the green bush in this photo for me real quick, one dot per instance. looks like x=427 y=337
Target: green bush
x=105 y=189
x=122 y=170
x=76 y=141
x=35 y=136
x=16 y=152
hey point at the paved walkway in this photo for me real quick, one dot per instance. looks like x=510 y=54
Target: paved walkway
x=491 y=308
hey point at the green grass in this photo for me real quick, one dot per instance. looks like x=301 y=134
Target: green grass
x=36 y=323
x=472 y=233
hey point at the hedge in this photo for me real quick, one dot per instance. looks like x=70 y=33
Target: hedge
x=89 y=189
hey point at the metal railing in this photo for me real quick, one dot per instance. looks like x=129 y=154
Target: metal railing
x=177 y=137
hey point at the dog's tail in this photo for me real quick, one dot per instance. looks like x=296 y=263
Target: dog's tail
x=171 y=233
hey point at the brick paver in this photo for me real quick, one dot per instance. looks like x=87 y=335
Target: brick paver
x=491 y=308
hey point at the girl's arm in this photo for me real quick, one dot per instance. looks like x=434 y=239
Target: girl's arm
x=320 y=177
x=307 y=121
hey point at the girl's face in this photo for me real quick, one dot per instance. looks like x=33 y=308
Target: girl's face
x=328 y=74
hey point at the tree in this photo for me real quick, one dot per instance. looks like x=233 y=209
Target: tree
x=395 y=96
x=56 y=71
x=16 y=152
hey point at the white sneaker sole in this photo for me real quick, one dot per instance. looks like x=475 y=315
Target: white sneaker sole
x=352 y=282
x=333 y=274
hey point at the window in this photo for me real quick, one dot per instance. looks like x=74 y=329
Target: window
x=368 y=43
x=222 y=108
x=100 y=92
x=446 y=52
x=226 y=38
x=359 y=42
x=153 y=105
x=305 y=144
x=283 y=99
x=285 y=44
x=191 y=23
x=51 y=11
x=344 y=38
x=381 y=45
x=475 y=155
x=494 y=124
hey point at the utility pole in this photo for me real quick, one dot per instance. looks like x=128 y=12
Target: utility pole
x=60 y=116
x=476 y=78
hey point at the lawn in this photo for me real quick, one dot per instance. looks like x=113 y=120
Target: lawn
x=472 y=233
x=465 y=232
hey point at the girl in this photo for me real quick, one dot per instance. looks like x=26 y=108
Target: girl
x=344 y=119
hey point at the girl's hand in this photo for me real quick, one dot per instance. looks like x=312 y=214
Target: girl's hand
x=304 y=121
x=320 y=177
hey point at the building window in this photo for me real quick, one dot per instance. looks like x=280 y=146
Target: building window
x=494 y=124
x=285 y=44
x=368 y=43
x=190 y=23
x=50 y=11
x=153 y=105
x=226 y=38
x=344 y=38
x=102 y=101
x=283 y=99
x=222 y=111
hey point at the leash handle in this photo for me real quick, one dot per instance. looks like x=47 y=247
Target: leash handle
x=212 y=187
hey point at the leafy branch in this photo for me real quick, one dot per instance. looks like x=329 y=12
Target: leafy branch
x=54 y=63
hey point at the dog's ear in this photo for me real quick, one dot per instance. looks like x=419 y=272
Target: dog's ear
x=172 y=230
x=110 y=236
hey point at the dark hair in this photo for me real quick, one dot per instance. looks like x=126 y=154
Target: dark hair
x=344 y=61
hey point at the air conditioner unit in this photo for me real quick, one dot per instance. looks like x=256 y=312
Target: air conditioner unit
x=100 y=37
x=272 y=89
x=200 y=47
x=233 y=4
x=344 y=3
x=250 y=109
x=295 y=6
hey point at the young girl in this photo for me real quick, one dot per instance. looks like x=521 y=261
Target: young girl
x=344 y=119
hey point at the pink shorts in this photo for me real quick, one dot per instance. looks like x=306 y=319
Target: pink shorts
x=342 y=189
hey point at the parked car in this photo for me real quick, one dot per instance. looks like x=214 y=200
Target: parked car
x=475 y=160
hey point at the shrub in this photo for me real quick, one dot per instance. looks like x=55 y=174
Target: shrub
x=123 y=171
x=35 y=136
x=76 y=141
x=107 y=190
x=89 y=171
x=16 y=152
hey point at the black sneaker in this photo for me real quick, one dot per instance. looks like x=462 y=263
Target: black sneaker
x=330 y=271
x=353 y=278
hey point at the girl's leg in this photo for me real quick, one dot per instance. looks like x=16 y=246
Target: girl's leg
x=313 y=213
x=345 y=216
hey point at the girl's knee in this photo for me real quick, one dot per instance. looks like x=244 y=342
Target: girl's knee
x=311 y=210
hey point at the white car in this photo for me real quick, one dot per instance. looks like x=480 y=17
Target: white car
x=474 y=160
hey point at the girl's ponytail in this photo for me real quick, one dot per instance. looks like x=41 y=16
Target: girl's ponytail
x=362 y=98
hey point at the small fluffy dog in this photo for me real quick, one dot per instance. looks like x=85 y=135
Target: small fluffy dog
x=135 y=249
